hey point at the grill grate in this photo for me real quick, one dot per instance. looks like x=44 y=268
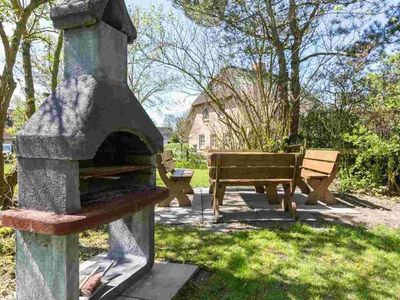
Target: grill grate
x=100 y=172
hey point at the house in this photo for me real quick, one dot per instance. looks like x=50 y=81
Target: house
x=215 y=116
x=206 y=125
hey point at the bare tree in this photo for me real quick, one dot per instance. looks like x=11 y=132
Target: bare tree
x=251 y=90
x=147 y=78
x=303 y=35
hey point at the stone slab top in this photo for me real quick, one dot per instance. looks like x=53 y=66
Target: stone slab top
x=90 y=216
x=80 y=13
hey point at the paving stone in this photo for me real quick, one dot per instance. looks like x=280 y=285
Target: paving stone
x=240 y=205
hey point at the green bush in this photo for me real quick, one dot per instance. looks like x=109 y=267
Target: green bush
x=376 y=164
x=186 y=156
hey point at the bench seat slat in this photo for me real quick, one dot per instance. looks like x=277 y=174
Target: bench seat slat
x=182 y=174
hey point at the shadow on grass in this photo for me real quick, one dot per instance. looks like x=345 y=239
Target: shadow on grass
x=300 y=262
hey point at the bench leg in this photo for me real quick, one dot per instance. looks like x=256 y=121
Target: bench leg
x=221 y=194
x=329 y=199
x=176 y=191
x=314 y=196
x=188 y=189
x=183 y=200
x=259 y=189
x=167 y=202
x=272 y=193
x=320 y=192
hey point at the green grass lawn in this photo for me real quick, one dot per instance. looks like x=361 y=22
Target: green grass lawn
x=300 y=262
x=200 y=178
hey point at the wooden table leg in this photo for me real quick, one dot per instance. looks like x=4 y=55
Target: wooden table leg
x=290 y=204
x=259 y=189
x=215 y=203
x=211 y=189
x=286 y=197
x=221 y=194
x=272 y=193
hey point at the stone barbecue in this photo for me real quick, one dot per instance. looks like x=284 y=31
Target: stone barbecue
x=86 y=158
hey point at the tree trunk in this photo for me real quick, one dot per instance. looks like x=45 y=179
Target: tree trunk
x=295 y=90
x=10 y=180
x=283 y=91
x=283 y=80
x=295 y=85
x=56 y=61
x=29 y=85
x=7 y=87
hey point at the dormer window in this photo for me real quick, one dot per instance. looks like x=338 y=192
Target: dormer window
x=206 y=114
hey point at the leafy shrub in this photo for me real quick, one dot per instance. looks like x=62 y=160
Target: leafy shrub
x=377 y=162
x=186 y=156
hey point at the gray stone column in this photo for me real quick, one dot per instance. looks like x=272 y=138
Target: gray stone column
x=133 y=236
x=48 y=266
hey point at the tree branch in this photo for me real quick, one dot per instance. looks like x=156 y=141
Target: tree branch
x=326 y=54
x=6 y=42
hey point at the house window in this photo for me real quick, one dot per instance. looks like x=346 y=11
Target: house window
x=206 y=114
x=213 y=140
x=202 y=141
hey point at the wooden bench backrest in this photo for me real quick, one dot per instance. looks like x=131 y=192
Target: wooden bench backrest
x=166 y=161
x=320 y=161
x=252 y=165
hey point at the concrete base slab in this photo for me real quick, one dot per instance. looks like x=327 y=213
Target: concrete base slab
x=123 y=274
x=162 y=283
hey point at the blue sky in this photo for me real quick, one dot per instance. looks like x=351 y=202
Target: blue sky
x=148 y=3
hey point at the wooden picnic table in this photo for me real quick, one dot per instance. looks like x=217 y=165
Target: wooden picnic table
x=315 y=168
x=256 y=169
x=270 y=188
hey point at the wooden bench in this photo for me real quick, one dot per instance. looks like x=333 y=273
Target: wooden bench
x=177 y=181
x=319 y=169
x=253 y=169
